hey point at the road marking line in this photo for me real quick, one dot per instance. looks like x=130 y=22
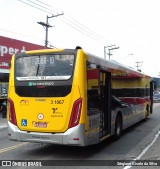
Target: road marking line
x=145 y=150
x=155 y=105
x=1 y=127
x=12 y=147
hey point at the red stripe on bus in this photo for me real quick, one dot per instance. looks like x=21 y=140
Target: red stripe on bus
x=135 y=100
x=92 y=74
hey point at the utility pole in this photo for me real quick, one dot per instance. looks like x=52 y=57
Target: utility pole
x=46 y=25
x=109 y=50
x=137 y=65
x=105 y=47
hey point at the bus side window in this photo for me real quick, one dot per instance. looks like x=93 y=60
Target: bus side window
x=93 y=90
x=93 y=99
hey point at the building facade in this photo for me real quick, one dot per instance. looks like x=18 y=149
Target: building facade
x=8 y=47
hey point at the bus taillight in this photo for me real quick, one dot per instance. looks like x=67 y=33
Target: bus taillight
x=76 y=111
x=11 y=111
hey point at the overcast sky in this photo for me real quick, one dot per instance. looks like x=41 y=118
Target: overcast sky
x=131 y=25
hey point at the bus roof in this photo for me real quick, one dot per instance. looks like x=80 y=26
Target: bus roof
x=118 y=69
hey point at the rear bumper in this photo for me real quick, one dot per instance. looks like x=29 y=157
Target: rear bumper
x=73 y=136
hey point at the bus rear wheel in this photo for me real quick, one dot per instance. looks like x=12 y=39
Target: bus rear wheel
x=118 y=127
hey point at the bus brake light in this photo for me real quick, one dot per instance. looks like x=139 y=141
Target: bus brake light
x=11 y=109
x=76 y=111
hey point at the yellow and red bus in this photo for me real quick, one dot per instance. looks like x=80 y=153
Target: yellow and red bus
x=71 y=97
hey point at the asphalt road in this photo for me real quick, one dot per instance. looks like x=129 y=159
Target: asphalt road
x=139 y=142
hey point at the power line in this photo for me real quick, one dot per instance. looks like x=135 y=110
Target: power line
x=43 y=3
x=78 y=24
x=85 y=28
x=35 y=7
x=4 y=30
x=39 y=5
x=81 y=30
x=71 y=22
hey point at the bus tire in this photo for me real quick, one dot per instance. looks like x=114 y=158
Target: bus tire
x=118 y=127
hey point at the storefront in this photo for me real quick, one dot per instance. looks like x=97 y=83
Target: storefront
x=8 y=47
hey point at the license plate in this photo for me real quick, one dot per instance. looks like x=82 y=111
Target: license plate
x=40 y=124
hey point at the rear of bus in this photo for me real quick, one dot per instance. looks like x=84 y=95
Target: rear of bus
x=47 y=97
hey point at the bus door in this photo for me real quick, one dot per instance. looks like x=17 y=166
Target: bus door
x=105 y=103
x=99 y=101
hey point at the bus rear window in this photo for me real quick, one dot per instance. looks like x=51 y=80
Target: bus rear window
x=44 y=67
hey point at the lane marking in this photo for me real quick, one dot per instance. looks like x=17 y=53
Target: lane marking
x=145 y=150
x=12 y=147
x=155 y=105
x=5 y=126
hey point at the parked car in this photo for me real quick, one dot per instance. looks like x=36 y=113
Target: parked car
x=156 y=98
